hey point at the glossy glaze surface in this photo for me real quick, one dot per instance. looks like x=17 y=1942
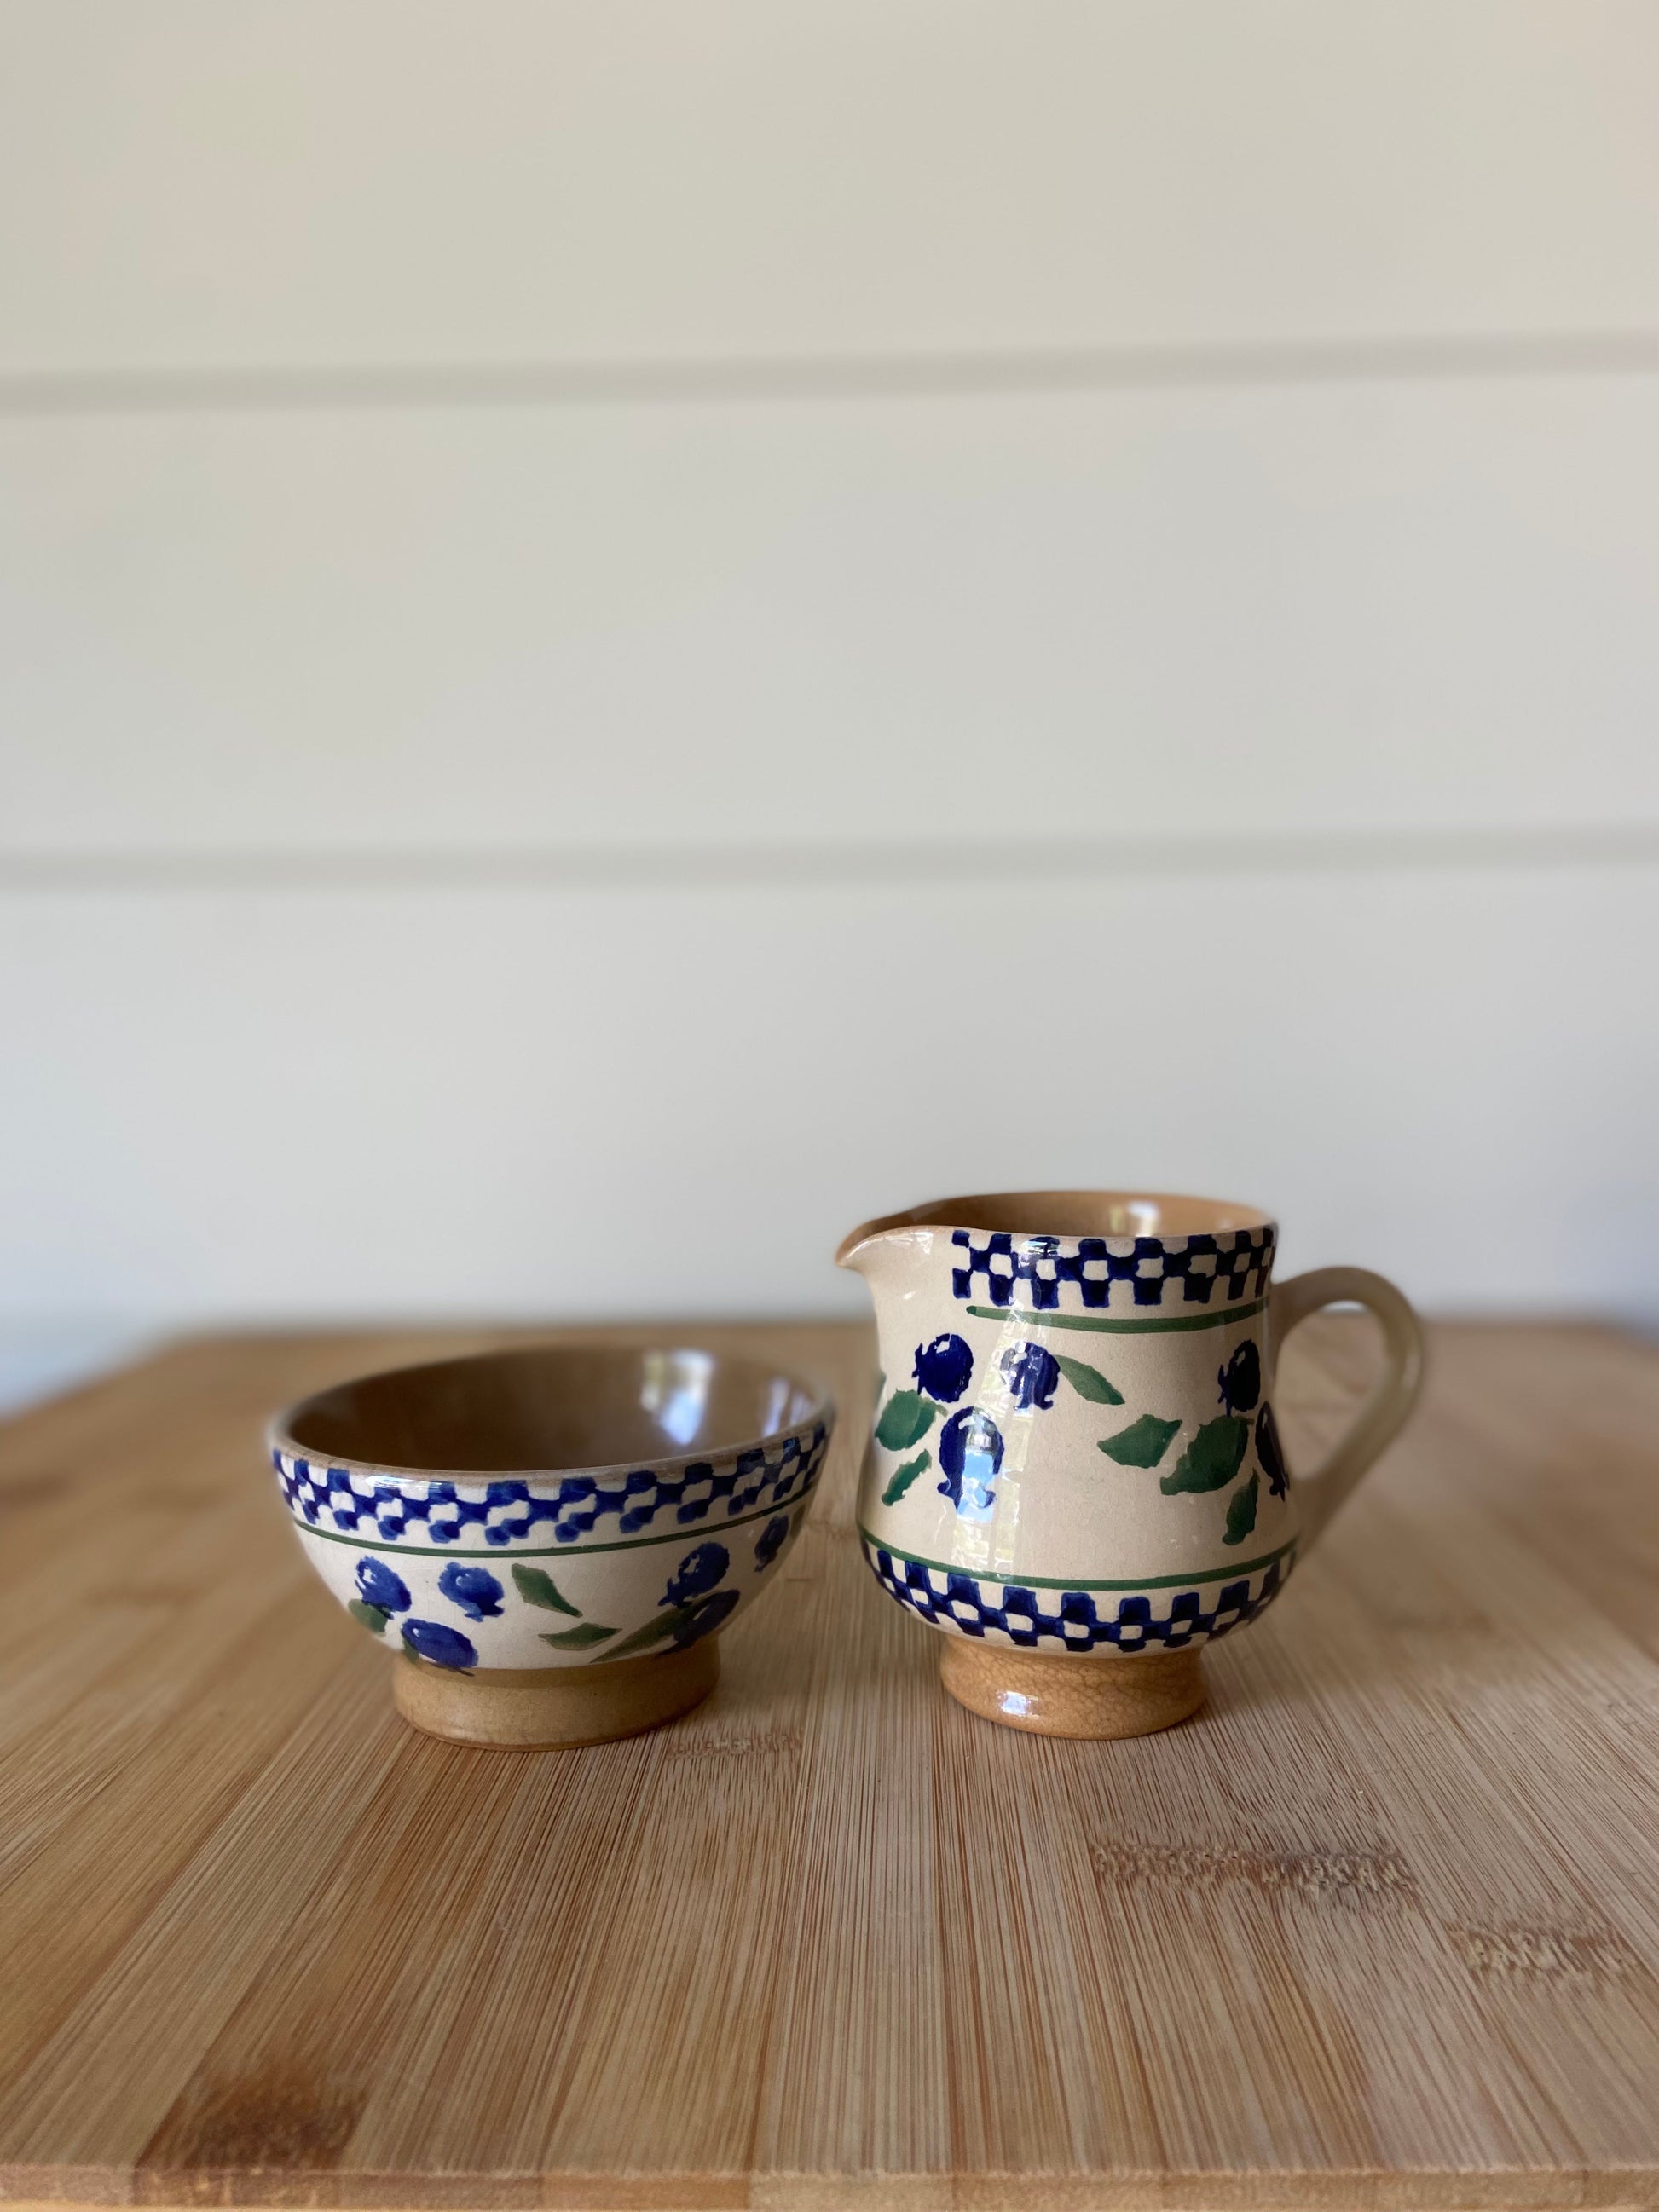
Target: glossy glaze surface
x=562 y=1507
x=1074 y=1451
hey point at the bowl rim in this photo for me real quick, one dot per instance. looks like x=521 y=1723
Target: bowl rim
x=821 y=1412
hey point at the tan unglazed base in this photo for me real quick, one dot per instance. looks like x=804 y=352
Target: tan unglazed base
x=553 y=1708
x=1055 y=1695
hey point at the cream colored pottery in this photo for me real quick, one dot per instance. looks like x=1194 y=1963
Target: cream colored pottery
x=550 y=1538
x=1074 y=1472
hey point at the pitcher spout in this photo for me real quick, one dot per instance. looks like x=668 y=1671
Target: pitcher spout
x=876 y=1250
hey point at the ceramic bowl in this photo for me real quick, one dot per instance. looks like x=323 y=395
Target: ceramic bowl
x=550 y=1538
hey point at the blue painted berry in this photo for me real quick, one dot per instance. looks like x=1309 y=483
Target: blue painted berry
x=378 y=1585
x=769 y=1542
x=445 y=1647
x=943 y=1369
x=1270 y=1453
x=475 y=1589
x=698 y=1571
x=1241 y=1378
x=1032 y=1374
x=970 y=1454
x=705 y=1618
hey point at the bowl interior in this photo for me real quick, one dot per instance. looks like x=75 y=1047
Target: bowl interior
x=548 y=1409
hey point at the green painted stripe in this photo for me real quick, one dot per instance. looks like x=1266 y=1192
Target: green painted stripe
x=1070 y=1582
x=507 y=1552
x=1115 y=1325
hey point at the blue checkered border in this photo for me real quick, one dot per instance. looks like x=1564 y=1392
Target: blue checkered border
x=508 y=1510
x=1053 y=1272
x=1082 y=1621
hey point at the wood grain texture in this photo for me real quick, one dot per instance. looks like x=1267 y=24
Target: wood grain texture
x=1379 y=1928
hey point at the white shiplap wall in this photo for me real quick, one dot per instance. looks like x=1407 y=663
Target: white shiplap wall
x=629 y=632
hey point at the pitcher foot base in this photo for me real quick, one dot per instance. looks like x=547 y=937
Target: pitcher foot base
x=1054 y=1694
x=553 y=1708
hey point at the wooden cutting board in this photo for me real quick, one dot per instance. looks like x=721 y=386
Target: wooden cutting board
x=1380 y=1927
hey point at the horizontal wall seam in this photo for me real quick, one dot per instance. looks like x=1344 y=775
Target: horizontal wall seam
x=965 y=372
x=936 y=860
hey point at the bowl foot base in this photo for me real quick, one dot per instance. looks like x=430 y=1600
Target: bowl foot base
x=553 y=1708
x=1055 y=1694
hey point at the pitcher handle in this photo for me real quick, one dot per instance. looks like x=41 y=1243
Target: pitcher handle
x=1393 y=1395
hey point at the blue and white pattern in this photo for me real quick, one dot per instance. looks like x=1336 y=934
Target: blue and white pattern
x=512 y=1510
x=1053 y=1274
x=1076 y=1620
x=609 y=1602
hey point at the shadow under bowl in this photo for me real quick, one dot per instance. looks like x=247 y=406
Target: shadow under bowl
x=552 y=1535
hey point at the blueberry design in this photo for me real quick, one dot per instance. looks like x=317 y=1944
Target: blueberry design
x=1241 y=1378
x=475 y=1589
x=443 y=1645
x=697 y=1573
x=943 y=1369
x=696 y=1600
x=1032 y=1375
x=769 y=1542
x=1216 y=1453
x=1028 y=1375
x=381 y=1593
x=970 y=1456
x=970 y=1444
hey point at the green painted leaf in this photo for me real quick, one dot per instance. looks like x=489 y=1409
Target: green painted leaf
x=374 y=1617
x=1241 y=1511
x=537 y=1586
x=1213 y=1457
x=1143 y=1443
x=667 y=1622
x=905 y=1420
x=1088 y=1382
x=904 y=1476
x=577 y=1639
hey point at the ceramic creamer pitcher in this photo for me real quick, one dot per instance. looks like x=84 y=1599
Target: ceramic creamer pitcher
x=1074 y=1471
